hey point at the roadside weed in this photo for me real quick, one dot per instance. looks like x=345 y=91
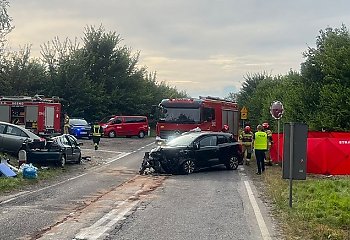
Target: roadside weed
x=321 y=205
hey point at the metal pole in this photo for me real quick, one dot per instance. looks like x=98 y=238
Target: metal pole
x=278 y=141
x=291 y=154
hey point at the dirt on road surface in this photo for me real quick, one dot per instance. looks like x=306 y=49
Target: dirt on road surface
x=99 y=214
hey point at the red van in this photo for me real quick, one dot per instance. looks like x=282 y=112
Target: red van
x=125 y=126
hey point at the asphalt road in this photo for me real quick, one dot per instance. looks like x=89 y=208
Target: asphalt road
x=105 y=198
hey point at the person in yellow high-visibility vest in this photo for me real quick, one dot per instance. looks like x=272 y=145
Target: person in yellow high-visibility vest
x=260 y=146
x=97 y=132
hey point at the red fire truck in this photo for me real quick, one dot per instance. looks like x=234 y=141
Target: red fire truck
x=39 y=114
x=208 y=113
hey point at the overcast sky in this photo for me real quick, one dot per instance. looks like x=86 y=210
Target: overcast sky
x=204 y=47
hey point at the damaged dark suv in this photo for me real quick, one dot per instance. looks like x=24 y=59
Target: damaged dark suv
x=192 y=151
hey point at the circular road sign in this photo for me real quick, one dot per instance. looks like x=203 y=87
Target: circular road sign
x=276 y=109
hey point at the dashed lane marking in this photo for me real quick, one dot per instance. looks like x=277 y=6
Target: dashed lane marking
x=99 y=150
x=105 y=223
x=145 y=146
x=121 y=155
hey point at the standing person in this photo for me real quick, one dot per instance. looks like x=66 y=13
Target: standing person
x=246 y=138
x=266 y=128
x=97 y=132
x=66 y=124
x=260 y=146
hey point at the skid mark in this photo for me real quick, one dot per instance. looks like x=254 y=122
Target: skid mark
x=99 y=215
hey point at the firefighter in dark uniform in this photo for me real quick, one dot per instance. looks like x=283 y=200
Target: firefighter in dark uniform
x=97 y=132
x=266 y=129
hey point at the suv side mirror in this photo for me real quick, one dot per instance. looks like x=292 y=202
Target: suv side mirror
x=196 y=145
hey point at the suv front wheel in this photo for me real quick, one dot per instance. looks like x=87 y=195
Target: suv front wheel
x=187 y=167
x=232 y=163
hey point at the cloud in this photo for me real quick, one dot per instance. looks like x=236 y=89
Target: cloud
x=205 y=47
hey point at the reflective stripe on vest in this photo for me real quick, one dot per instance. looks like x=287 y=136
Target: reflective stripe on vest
x=247 y=137
x=96 y=131
x=260 y=141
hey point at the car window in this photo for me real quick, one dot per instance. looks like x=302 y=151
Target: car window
x=208 y=114
x=72 y=141
x=134 y=119
x=208 y=141
x=222 y=139
x=15 y=131
x=232 y=139
x=64 y=140
x=107 y=119
x=118 y=120
x=2 y=128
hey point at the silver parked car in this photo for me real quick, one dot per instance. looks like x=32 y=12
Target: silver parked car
x=12 y=138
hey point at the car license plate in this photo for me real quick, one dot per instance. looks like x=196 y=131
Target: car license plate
x=83 y=132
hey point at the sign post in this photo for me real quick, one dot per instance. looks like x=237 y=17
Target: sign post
x=277 y=111
x=244 y=114
x=294 y=154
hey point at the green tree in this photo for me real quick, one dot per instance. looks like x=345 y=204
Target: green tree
x=103 y=77
x=5 y=23
x=326 y=74
x=22 y=75
x=254 y=95
x=100 y=78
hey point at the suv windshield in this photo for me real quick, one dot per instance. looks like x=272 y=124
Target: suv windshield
x=78 y=122
x=182 y=141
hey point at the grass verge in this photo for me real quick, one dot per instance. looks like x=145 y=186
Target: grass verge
x=15 y=183
x=18 y=182
x=321 y=205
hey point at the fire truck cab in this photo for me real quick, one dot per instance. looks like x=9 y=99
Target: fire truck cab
x=38 y=114
x=207 y=113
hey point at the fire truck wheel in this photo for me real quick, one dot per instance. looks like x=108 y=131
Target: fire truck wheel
x=232 y=163
x=62 y=161
x=141 y=134
x=112 y=134
x=187 y=167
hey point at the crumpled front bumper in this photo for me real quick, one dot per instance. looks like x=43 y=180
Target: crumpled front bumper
x=151 y=162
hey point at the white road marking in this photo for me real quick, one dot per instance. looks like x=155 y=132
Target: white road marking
x=263 y=229
x=105 y=223
x=14 y=197
x=69 y=179
x=117 y=158
x=145 y=146
x=44 y=188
